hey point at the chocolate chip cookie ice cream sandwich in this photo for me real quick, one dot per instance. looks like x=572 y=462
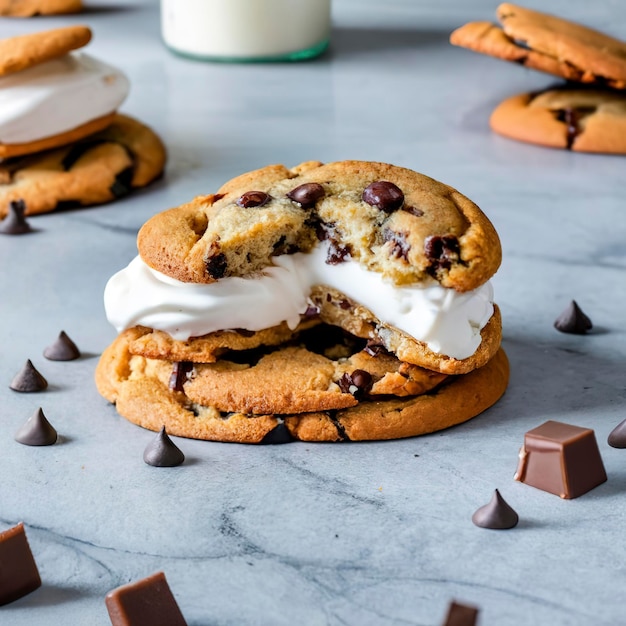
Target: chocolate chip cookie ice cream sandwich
x=327 y=302
x=61 y=137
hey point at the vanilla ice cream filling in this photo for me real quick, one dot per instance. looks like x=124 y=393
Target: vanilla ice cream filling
x=57 y=96
x=448 y=322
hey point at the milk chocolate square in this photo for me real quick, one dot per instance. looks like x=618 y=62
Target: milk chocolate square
x=561 y=459
x=18 y=571
x=146 y=602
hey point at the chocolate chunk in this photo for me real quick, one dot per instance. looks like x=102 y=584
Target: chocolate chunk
x=374 y=348
x=19 y=575
x=282 y=247
x=413 y=211
x=312 y=311
x=28 y=379
x=399 y=245
x=146 y=602
x=63 y=349
x=384 y=196
x=461 y=615
x=617 y=437
x=337 y=253
x=215 y=262
x=358 y=383
x=253 y=199
x=180 y=375
x=278 y=435
x=573 y=320
x=561 y=459
x=36 y=431
x=15 y=223
x=496 y=515
x=123 y=183
x=441 y=251
x=307 y=195
x=162 y=451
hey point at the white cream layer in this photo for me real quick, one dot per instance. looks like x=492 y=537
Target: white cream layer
x=447 y=321
x=57 y=96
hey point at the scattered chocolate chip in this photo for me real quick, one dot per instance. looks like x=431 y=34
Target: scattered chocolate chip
x=399 y=245
x=146 y=602
x=384 y=196
x=496 y=515
x=561 y=459
x=441 y=251
x=374 y=348
x=180 y=375
x=617 y=437
x=123 y=183
x=162 y=451
x=312 y=311
x=307 y=195
x=572 y=320
x=337 y=253
x=461 y=615
x=15 y=223
x=28 y=379
x=279 y=434
x=413 y=210
x=215 y=262
x=36 y=431
x=19 y=575
x=358 y=383
x=63 y=349
x=253 y=199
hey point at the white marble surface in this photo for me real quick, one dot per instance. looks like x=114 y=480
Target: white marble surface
x=368 y=534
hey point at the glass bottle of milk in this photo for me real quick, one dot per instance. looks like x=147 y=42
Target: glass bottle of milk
x=246 y=30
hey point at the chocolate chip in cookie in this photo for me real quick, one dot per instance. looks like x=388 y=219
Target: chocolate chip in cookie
x=253 y=199
x=307 y=194
x=384 y=195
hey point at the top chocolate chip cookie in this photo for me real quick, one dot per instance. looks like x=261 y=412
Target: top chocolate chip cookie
x=404 y=225
x=548 y=43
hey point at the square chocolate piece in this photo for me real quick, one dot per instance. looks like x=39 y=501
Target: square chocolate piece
x=561 y=459
x=18 y=571
x=461 y=615
x=147 y=602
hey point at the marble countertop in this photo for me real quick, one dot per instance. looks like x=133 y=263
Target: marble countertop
x=329 y=534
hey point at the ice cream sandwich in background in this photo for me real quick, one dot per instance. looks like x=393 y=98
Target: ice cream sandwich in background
x=62 y=139
x=346 y=301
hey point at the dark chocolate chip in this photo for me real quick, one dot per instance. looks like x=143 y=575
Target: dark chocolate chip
x=282 y=247
x=573 y=321
x=374 y=348
x=146 y=602
x=384 y=196
x=496 y=515
x=358 y=383
x=63 y=349
x=312 y=311
x=441 y=251
x=36 y=431
x=19 y=575
x=180 y=375
x=307 y=195
x=253 y=199
x=216 y=264
x=337 y=253
x=123 y=183
x=399 y=245
x=461 y=615
x=617 y=437
x=15 y=223
x=28 y=379
x=413 y=211
x=278 y=435
x=162 y=451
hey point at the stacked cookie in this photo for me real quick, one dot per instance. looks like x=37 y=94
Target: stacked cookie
x=61 y=139
x=586 y=114
x=346 y=301
x=29 y=8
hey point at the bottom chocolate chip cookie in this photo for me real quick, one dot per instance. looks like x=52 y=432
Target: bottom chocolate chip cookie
x=154 y=393
x=574 y=118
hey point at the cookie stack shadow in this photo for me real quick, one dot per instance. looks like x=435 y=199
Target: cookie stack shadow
x=587 y=112
x=62 y=141
x=340 y=302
